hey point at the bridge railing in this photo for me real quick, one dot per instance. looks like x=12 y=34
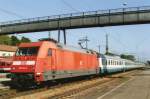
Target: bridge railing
x=80 y=14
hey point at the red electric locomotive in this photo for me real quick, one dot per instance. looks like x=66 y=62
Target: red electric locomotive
x=47 y=60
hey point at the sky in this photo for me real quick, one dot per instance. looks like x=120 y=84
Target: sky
x=129 y=39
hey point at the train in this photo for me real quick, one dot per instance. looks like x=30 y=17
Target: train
x=43 y=61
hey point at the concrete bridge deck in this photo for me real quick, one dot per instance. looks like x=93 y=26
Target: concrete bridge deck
x=122 y=16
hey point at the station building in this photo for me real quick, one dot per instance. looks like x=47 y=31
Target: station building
x=7 y=50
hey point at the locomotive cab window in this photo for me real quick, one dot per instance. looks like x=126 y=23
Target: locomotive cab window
x=49 y=52
x=29 y=51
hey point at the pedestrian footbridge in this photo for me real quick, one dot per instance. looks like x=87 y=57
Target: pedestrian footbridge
x=101 y=18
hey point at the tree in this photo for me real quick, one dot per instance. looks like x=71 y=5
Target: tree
x=14 y=41
x=148 y=62
x=25 y=40
x=110 y=54
x=129 y=57
x=4 y=39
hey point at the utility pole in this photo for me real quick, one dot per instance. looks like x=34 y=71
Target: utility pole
x=107 y=48
x=64 y=32
x=59 y=36
x=99 y=48
x=49 y=34
x=86 y=41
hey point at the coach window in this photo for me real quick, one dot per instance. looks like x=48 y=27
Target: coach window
x=103 y=62
x=49 y=52
x=108 y=62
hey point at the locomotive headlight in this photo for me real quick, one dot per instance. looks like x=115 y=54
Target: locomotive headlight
x=38 y=73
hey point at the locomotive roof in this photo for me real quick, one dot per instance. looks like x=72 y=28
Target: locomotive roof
x=33 y=44
x=73 y=48
x=59 y=45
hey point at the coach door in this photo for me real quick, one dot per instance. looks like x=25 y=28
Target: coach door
x=105 y=63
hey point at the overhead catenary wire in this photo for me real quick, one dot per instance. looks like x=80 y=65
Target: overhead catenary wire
x=124 y=47
x=139 y=44
x=69 y=5
x=11 y=13
x=120 y=43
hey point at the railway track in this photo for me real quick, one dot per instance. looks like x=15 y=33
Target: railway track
x=104 y=83
x=15 y=92
x=62 y=90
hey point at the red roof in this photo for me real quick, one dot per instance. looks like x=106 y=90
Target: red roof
x=8 y=48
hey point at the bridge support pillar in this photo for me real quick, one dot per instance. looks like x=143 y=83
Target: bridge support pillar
x=59 y=36
x=64 y=34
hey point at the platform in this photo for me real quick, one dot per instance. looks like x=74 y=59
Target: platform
x=137 y=87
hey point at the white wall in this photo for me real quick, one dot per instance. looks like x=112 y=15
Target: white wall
x=4 y=53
